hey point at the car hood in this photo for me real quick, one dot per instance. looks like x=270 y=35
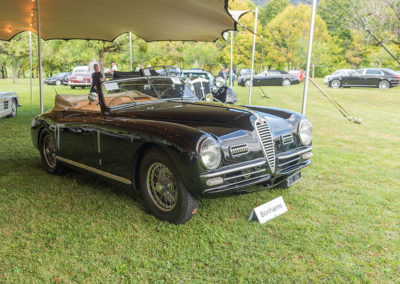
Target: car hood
x=218 y=119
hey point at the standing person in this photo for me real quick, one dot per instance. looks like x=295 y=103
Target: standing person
x=221 y=73
x=113 y=68
x=97 y=79
x=234 y=76
x=139 y=67
x=91 y=65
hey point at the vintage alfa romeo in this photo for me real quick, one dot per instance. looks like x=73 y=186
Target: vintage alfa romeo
x=153 y=134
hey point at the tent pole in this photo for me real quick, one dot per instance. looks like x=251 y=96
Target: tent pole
x=231 y=71
x=252 y=56
x=30 y=62
x=39 y=34
x=130 y=50
x=310 y=42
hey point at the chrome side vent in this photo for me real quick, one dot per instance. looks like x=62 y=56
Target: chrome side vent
x=287 y=138
x=265 y=135
x=5 y=104
x=239 y=150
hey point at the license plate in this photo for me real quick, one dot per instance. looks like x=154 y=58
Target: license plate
x=293 y=178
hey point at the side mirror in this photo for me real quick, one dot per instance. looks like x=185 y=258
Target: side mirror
x=93 y=97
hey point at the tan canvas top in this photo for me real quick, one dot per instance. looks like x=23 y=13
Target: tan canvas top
x=201 y=20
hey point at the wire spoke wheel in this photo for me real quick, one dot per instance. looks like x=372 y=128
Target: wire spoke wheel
x=49 y=152
x=162 y=187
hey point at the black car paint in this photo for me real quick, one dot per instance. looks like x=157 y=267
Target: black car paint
x=114 y=141
x=356 y=79
x=273 y=79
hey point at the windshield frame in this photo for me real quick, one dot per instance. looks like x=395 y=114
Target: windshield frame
x=157 y=99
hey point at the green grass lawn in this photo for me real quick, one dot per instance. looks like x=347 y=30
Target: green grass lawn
x=342 y=226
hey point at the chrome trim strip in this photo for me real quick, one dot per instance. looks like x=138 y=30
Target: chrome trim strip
x=237 y=185
x=292 y=154
x=247 y=174
x=228 y=171
x=94 y=170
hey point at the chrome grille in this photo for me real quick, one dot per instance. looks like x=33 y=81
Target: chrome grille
x=201 y=87
x=5 y=104
x=265 y=135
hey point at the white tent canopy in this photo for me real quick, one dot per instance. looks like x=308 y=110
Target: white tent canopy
x=152 y=20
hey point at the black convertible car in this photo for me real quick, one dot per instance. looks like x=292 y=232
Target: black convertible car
x=153 y=134
x=366 y=77
x=270 y=78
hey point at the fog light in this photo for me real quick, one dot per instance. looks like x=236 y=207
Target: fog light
x=306 y=156
x=214 y=181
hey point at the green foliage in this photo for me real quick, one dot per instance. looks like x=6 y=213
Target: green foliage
x=272 y=9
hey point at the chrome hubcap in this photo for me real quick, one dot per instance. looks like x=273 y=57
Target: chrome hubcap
x=383 y=85
x=286 y=83
x=14 y=109
x=162 y=187
x=49 y=151
x=335 y=84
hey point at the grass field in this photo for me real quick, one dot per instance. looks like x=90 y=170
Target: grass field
x=342 y=226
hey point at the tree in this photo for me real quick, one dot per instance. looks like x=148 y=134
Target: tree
x=273 y=8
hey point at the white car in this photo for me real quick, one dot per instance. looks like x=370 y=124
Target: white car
x=338 y=72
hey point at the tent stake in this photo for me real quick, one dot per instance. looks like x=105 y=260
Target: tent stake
x=252 y=57
x=30 y=63
x=310 y=42
x=39 y=55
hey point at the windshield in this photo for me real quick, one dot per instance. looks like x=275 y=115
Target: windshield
x=132 y=91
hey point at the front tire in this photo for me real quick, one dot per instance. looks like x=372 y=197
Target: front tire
x=286 y=83
x=14 y=108
x=335 y=84
x=163 y=190
x=247 y=83
x=384 y=84
x=48 y=153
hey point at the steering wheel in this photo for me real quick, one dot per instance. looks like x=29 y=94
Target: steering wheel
x=120 y=96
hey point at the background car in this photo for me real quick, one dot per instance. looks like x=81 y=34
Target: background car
x=9 y=103
x=198 y=73
x=343 y=72
x=270 y=78
x=59 y=79
x=298 y=73
x=80 y=77
x=366 y=77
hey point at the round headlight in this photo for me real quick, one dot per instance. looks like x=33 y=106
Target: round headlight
x=210 y=153
x=305 y=132
x=220 y=82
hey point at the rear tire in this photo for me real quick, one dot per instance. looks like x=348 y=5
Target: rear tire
x=384 y=84
x=72 y=87
x=48 y=153
x=163 y=190
x=336 y=84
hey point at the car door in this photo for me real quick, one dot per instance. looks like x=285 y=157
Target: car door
x=77 y=137
x=354 y=78
x=259 y=79
x=274 y=78
x=372 y=77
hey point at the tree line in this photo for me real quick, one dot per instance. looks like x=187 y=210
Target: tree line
x=340 y=41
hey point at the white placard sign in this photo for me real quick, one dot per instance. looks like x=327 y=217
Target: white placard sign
x=269 y=210
x=111 y=86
